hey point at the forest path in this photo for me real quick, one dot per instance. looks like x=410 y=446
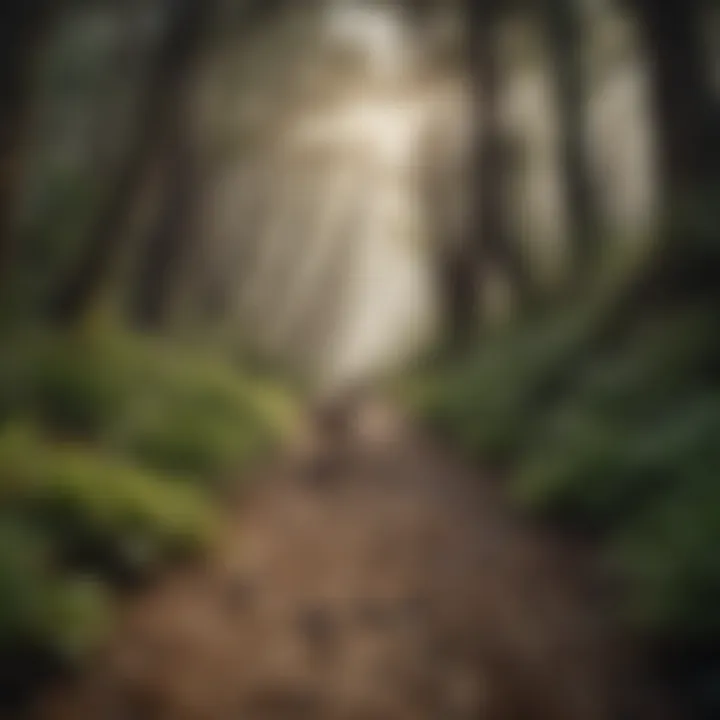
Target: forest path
x=376 y=580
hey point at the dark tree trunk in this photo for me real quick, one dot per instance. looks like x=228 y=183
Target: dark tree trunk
x=159 y=108
x=684 y=112
x=494 y=248
x=167 y=246
x=23 y=27
x=563 y=29
x=686 y=116
x=445 y=192
x=459 y=289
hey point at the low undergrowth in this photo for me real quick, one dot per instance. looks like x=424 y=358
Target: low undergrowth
x=114 y=452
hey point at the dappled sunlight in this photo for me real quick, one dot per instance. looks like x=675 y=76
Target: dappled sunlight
x=343 y=172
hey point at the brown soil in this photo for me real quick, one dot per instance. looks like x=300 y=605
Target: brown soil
x=373 y=578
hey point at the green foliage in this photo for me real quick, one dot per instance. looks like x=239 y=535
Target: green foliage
x=632 y=420
x=109 y=449
x=66 y=614
x=487 y=402
x=162 y=406
x=99 y=510
x=22 y=580
x=73 y=520
x=667 y=555
x=192 y=415
x=78 y=389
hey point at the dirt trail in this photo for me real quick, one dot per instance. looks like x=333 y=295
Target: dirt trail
x=383 y=581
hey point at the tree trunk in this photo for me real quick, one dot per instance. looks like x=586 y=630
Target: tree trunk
x=563 y=29
x=682 y=97
x=169 y=240
x=445 y=192
x=459 y=289
x=686 y=116
x=23 y=27
x=493 y=247
x=158 y=111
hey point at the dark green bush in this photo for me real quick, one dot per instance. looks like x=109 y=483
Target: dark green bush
x=61 y=614
x=99 y=511
x=667 y=556
x=488 y=402
x=80 y=389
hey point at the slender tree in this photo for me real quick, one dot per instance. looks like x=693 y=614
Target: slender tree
x=443 y=186
x=170 y=237
x=492 y=242
x=683 y=100
x=23 y=27
x=688 y=132
x=563 y=28
x=158 y=109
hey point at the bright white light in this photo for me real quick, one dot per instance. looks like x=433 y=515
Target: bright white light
x=376 y=31
x=382 y=128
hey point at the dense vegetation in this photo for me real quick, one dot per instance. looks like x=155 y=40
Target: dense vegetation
x=114 y=455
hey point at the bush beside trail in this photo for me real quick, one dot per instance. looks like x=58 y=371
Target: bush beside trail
x=114 y=453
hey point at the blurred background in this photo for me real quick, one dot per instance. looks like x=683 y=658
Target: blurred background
x=502 y=216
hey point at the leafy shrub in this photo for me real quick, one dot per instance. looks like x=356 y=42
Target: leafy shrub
x=100 y=511
x=197 y=417
x=22 y=579
x=79 y=388
x=108 y=448
x=63 y=615
x=591 y=471
x=487 y=403
x=668 y=558
x=167 y=407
